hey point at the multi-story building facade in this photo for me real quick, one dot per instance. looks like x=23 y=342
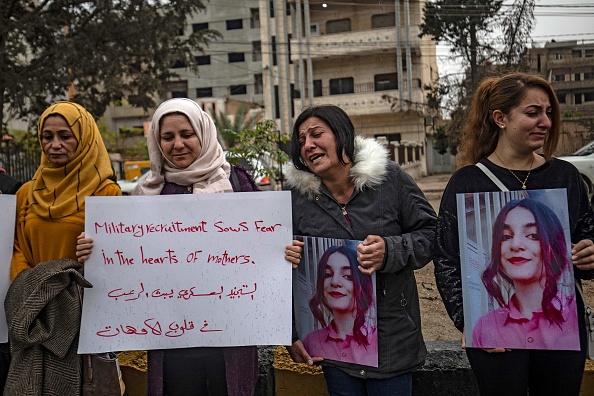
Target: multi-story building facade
x=364 y=56
x=230 y=69
x=569 y=67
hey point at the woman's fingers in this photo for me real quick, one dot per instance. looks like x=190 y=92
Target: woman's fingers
x=293 y=252
x=84 y=248
x=582 y=254
x=370 y=254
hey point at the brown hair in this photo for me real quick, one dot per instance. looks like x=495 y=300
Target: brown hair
x=480 y=133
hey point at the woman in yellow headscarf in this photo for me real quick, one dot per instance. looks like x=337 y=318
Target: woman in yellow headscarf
x=51 y=207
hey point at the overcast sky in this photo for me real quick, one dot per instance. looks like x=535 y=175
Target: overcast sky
x=561 y=20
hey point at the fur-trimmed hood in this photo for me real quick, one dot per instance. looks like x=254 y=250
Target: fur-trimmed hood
x=369 y=170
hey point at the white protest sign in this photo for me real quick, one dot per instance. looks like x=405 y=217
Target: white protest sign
x=189 y=270
x=7 y=221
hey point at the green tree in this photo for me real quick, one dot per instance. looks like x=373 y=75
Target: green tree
x=106 y=50
x=466 y=25
x=131 y=145
x=228 y=128
x=260 y=148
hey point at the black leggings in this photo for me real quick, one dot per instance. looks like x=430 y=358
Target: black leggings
x=199 y=375
x=515 y=372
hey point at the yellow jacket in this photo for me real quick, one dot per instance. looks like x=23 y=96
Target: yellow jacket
x=39 y=239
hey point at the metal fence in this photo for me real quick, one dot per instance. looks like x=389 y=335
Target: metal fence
x=18 y=160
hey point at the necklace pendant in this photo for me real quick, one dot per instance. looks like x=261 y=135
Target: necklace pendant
x=523 y=186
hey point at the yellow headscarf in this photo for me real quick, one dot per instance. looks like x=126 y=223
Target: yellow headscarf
x=57 y=192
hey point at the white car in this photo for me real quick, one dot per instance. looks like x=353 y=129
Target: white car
x=583 y=159
x=127 y=186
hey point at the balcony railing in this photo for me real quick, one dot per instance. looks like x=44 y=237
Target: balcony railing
x=355 y=42
x=573 y=85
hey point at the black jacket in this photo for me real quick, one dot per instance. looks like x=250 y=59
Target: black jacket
x=8 y=185
x=388 y=203
x=553 y=174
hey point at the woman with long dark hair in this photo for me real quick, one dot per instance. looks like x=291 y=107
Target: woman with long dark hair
x=342 y=299
x=528 y=258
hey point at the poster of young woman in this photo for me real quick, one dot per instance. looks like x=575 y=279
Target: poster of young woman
x=335 y=304
x=517 y=275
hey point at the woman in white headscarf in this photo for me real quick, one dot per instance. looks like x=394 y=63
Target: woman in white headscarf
x=186 y=158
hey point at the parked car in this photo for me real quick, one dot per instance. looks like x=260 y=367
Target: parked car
x=127 y=186
x=583 y=159
x=264 y=183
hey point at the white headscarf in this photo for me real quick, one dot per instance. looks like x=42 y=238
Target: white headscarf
x=209 y=173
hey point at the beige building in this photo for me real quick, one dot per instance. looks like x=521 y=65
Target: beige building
x=569 y=67
x=229 y=69
x=364 y=56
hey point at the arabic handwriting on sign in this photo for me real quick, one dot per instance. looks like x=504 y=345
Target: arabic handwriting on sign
x=212 y=293
x=107 y=332
x=204 y=329
x=154 y=326
x=242 y=291
x=118 y=293
x=177 y=330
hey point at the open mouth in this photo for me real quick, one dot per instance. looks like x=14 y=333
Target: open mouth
x=336 y=294
x=315 y=157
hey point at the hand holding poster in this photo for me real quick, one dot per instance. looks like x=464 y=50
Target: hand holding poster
x=187 y=270
x=517 y=275
x=335 y=304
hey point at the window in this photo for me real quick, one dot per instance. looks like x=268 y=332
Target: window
x=236 y=57
x=178 y=89
x=197 y=27
x=577 y=98
x=255 y=18
x=271 y=2
x=342 y=85
x=204 y=92
x=203 y=60
x=338 y=26
x=589 y=53
x=317 y=88
x=273 y=45
x=314 y=29
x=383 y=20
x=588 y=96
x=576 y=54
x=238 y=89
x=178 y=64
x=577 y=77
x=256 y=51
x=234 y=24
x=289 y=48
x=258 y=83
x=589 y=76
x=559 y=77
x=386 y=81
x=560 y=97
x=181 y=31
x=559 y=56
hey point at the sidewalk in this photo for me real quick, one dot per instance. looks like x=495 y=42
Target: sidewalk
x=433 y=186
